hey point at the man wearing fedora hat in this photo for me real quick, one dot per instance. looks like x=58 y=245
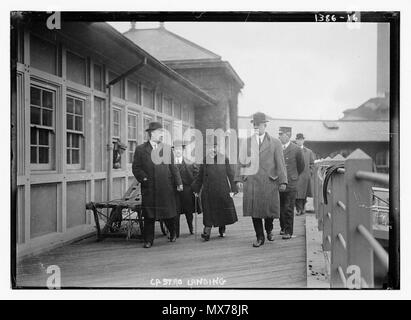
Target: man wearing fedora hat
x=304 y=180
x=185 y=201
x=261 y=186
x=158 y=183
x=294 y=162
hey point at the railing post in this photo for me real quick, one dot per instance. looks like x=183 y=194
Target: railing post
x=320 y=192
x=328 y=208
x=338 y=231
x=358 y=206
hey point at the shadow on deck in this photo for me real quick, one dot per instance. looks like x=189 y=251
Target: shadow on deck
x=229 y=262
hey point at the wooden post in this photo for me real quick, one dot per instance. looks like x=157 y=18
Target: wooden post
x=358 y=202
x=338 y=230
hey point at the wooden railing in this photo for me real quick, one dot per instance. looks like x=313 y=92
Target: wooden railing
x=342 y=201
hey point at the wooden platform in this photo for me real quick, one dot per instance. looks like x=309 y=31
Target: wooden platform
x=229 y=262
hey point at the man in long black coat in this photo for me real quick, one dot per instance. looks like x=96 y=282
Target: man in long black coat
x=185 y=201
x=158 y=182
x=294 y=162
x=216 y=182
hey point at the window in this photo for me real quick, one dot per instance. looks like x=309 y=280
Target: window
x=43 y=55
x=76 y=68
x=133 y=92
x=382 y=161
x=177 y=110
x=186 y=113
x=148 y=98
x=75 y=131
x=168 y=106
x=98 y=78
x=167 y=132
x=116 y=123
x=192 y=120
x=118 y=89
x=42 y=134
x=146 y=121
x=132 y=123
x=159 y=102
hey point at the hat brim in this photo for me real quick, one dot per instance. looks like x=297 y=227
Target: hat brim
x=260 y=121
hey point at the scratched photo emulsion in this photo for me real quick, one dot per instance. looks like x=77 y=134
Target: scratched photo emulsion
x=204 y=151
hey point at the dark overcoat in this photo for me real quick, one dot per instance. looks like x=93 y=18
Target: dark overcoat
x=261 y=177
x=216 y=181
x=294 y=161
x=158 y=192
x=185 y=199
x=304 y=180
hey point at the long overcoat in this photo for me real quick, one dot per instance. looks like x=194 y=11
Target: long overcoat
x=185 y=199
x=261 y=169
x=158 y=191
x=216 y=181
x=304 y=180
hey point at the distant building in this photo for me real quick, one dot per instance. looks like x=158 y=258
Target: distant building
x=202 y=67
x=329 y=138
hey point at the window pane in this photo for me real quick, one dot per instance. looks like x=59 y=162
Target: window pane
x=33 y=155
x=35 y=96
x=43 y=155
x=43 y=137
x=75 y=141
x=177 y=110
x=70 y=105
x=168 y=109
x=70 y=120
x=79 y=123
x=47 y=99
x=68 y=156
x=76 y=68
x=148 y=98
x=116 y=130
x=33 y=136
x=68 y=140
x=43 y=55
x=79 y=107
x=132 y=91
x=47 y=118
x=116 y=116
x=159 y=102
x=75 y=157
x=98 y=83
x=35 y=115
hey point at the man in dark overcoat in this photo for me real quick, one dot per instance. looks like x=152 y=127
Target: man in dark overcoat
x=304 y=181
x=184 y=199
x=215 y=180
x=261 y=178
x=158 y=180
x=294 y=162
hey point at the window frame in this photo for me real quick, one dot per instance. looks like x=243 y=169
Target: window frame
x=80 y=133
x=137 y=121
x=52 y=132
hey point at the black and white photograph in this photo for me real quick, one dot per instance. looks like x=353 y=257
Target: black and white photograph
x=205 y=150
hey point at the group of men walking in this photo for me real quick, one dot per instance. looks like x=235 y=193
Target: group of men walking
x=280 y=183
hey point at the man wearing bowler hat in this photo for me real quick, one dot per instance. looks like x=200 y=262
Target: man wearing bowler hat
x=304 y=180
x=158 y=183
x=261 y=179
x=294 y=162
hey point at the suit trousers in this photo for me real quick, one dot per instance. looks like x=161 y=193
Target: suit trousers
x=189 y=218
x=287 y=204
x=148 y=231
x=300 y=205
x=258 y=227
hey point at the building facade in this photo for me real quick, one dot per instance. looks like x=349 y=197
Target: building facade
x=66 y=122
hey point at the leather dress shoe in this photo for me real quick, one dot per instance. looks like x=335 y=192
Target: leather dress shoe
x=282 y=232
x=287 y=236
x=270 y=236
x=147 y=245
x=205 y=236
x=173 y=238
x=258 y=243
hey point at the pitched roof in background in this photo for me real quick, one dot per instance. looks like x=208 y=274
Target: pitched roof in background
x=327 y=130
x=373 y=109
x=168 y=46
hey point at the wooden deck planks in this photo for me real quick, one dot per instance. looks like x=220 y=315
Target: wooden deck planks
x=233 y=260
